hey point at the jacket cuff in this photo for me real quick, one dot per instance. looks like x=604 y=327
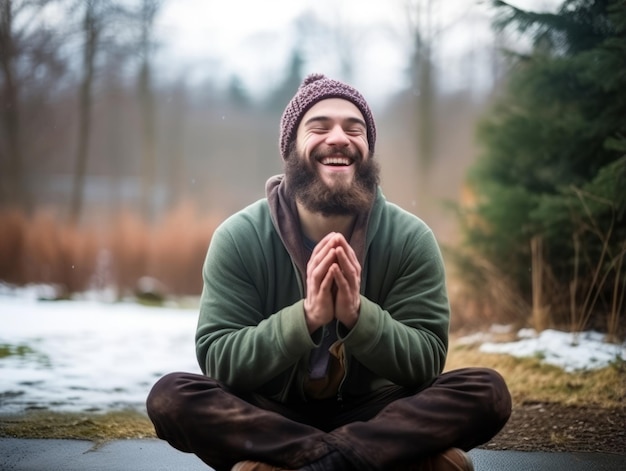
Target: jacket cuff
x=367 y=329
x=294 y=332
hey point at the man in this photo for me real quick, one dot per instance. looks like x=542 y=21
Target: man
x=323 y=325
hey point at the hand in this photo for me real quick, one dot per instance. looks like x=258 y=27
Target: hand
x=319 y=304
x=347 y=276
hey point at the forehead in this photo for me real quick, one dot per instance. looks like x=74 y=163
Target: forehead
x=333 y=108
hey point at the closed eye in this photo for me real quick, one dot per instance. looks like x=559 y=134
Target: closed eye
x=318 y=130
x=355 y=132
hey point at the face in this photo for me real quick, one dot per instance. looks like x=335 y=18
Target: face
x=330 y=170
x=332 y=135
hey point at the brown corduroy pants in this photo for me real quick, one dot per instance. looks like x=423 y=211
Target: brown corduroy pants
x=386 y=430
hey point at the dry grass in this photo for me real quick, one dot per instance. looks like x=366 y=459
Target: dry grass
x=58 y=254
x=482 y=294
x=116 y=252
x=13 y=225
x=80 y=426
x=532 y=381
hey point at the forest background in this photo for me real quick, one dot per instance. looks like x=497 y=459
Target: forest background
x=114 y=172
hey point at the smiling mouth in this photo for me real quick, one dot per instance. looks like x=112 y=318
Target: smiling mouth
x=336 y=161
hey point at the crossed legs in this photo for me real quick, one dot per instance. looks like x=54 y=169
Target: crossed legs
x=461 y=408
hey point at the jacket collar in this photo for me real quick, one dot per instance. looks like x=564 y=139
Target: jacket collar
x=287 y=223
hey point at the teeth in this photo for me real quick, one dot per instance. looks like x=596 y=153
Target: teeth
x=336 y=161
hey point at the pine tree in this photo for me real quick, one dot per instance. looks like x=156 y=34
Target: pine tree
x=554 y=162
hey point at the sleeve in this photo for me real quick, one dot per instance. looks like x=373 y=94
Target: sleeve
x=236 y=342
x=406 y=341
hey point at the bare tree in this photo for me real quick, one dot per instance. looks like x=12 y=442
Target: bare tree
x=147 y=14
x=12 y=187
x=91 y=32
x=423 y=31
x=30 y=69
x=174 y=143
x=97 y=32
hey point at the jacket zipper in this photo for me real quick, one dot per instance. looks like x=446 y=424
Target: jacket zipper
x=343 y=380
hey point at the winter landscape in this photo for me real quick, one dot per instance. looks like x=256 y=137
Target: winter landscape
x=96 y=355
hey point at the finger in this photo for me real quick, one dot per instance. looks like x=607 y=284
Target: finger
x=320 y=267
x=346 y=301
x=328 y=241
x=320 y=263
x=343 y=243
x=350 y=266
x=348 y=290
x=326 y=284
x=321 y=250
x=319 y=279
x=340 y=279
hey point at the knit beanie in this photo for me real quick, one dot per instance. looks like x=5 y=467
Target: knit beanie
x=315 y=88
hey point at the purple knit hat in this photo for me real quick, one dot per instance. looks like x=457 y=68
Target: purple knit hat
x=314 y=88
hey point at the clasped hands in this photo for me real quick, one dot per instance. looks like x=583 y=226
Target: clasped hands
x=333 y=280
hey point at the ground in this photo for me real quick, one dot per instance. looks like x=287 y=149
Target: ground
x=534 y=426
x=556 y=427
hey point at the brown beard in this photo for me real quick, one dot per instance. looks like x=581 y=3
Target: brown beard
x=305 y=185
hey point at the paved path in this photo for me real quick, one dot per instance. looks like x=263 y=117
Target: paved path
x=156 y=455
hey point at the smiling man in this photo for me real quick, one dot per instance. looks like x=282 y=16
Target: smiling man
x=323 y=327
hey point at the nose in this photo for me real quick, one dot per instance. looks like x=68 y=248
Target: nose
x=337 y=137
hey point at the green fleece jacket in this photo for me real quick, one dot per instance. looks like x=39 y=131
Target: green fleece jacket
x=252 y=333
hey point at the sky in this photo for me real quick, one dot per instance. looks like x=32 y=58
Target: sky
x=216 y=39
x=254 y=40
x=115 y=352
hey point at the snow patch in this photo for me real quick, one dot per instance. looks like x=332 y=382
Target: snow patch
x=84 y=355
x=569 y=351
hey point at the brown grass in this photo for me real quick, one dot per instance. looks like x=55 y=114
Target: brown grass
x=13 y=223
x=189 y=236
x=531 y=381
x=58 y=254
x=482 y=295
x=80 y=426
x=110 y=253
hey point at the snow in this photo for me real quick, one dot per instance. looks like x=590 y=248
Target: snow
x=96 y=355
x=569 y=351
x=88 y=355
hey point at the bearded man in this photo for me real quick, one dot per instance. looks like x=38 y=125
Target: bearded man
x=323 y=327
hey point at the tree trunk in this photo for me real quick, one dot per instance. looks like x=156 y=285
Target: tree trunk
x=149 y=9
x=423 y=84
x=84 y=113
x=13 y=188
x=148 y=154
x=425 y=110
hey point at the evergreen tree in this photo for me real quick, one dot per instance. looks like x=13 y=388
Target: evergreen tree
x=554 y=163
x=281 y=95
x=237 y=94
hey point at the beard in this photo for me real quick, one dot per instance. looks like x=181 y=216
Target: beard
x=306 y=186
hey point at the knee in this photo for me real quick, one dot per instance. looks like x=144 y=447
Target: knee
x=486 y=389
x=498 y=397
x=163 y=396
x=168 y=397
x=174 y=393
